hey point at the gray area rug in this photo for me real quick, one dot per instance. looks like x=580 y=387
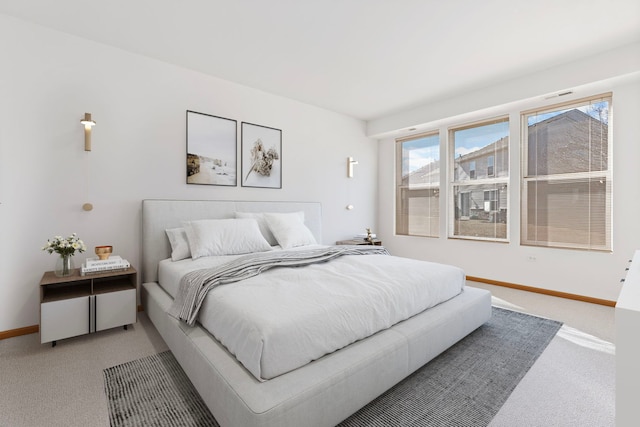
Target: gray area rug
x=468 y=383
x=154 y=391
x=464 y=386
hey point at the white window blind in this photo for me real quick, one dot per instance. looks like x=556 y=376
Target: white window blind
x=566 y=183
x=418 y=185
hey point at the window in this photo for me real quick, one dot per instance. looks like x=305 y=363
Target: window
x=480 y=180
x=418 y=185
x=566 y=185
x=490 y=200
x=472 y=169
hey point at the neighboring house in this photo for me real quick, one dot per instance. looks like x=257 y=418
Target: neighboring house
x=491 y=161
x=486 y=201
x=560 y=145
x=427 y=176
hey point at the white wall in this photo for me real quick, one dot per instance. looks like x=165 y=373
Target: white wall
x=48 y=80
x=591 y=274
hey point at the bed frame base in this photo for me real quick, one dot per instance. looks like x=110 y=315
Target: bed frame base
x=326 y=391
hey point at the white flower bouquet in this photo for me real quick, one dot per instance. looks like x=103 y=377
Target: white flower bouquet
x=65 y=246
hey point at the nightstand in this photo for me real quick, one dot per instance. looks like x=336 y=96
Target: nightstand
x=376 y=242
x=77 y=305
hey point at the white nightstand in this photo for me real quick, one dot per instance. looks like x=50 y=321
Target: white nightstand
x=78 y=305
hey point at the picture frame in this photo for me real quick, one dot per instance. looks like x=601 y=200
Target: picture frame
x=212 y=146
x=261 y=156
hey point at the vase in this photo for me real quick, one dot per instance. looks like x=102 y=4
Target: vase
x=64 y=266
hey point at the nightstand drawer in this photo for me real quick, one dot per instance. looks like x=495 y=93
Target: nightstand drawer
x=115 y=309
x=64 y=319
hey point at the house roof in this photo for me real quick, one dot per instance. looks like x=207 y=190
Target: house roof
x=499 y=145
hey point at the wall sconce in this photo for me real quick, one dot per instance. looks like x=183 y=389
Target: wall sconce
x=350 y=163
x=88 y=124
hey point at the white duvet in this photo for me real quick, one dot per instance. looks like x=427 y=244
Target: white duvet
x=286 y=317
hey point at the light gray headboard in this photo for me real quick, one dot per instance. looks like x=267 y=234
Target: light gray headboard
x=158 y=215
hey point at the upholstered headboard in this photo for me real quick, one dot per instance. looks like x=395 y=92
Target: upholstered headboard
x=158 y=215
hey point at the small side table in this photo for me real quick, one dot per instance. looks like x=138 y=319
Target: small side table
x=77 y=305
x=376 y=242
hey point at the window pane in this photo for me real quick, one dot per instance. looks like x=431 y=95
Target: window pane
x=475 y=147
x=423 y=213
x=568 y=140
x=418 y=186
x=567 y=212
x=567 y=178
x=480 y=210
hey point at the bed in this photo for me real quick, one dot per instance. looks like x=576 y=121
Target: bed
x=322 y=392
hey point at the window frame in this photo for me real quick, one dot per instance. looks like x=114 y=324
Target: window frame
x=575 y=177
x=435 y=189
x=474 y=182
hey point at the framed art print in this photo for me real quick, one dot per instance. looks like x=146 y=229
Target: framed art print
x=261 y=156
x=211 y=150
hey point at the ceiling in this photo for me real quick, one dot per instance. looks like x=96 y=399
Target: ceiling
x=364 y=58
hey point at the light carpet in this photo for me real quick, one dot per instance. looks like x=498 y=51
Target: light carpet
x=464 y=386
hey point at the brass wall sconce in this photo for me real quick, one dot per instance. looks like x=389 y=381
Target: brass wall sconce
x=88 y=124
x=350 y=163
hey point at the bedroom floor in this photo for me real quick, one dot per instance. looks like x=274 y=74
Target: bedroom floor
x=571 y=384
x=573 y=381
x=594 y=319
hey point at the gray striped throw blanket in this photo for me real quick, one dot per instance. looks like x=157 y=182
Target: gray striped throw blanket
x=195 y=285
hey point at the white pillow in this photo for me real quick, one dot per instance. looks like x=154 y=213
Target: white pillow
x=179 y=244
x=262 y=224
x=289 y=229
x=211 y=237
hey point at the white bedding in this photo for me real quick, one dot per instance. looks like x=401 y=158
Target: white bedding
x=286 y=317
x=170 y=272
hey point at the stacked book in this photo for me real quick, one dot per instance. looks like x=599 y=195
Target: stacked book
x=363 y=236
x=96 y=265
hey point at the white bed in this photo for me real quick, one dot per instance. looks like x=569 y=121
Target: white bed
x=320 y=393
